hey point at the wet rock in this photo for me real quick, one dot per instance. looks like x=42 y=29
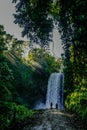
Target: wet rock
x=53 y=120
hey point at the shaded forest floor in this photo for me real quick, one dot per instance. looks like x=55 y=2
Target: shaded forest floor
x=51 y=120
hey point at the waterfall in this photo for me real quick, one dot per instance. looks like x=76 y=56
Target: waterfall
x=55 y=90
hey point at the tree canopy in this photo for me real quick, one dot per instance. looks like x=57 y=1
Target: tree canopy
x=33 y=16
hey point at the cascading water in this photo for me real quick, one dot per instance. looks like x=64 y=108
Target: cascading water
x=55 y=90
x=54 y=94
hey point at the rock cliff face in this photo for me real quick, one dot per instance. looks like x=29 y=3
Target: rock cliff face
x=53 y=120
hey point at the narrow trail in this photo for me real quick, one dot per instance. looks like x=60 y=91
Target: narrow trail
x=53 y=120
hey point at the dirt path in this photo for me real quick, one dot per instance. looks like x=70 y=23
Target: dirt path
x=53 y=120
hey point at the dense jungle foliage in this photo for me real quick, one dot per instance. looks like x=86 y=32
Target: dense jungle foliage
x=38 y=18
x=23 y=80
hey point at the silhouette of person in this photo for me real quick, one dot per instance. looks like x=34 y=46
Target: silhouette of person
x=51 y=105
x=56 y=106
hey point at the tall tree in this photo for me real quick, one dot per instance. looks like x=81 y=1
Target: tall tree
x=33 y=16
x=72 y=25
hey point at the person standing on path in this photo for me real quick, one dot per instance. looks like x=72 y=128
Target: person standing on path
x=51 y=105
x=56 y=105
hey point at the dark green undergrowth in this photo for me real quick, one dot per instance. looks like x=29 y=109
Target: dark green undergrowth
x=11 y=113
x=77 y=102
